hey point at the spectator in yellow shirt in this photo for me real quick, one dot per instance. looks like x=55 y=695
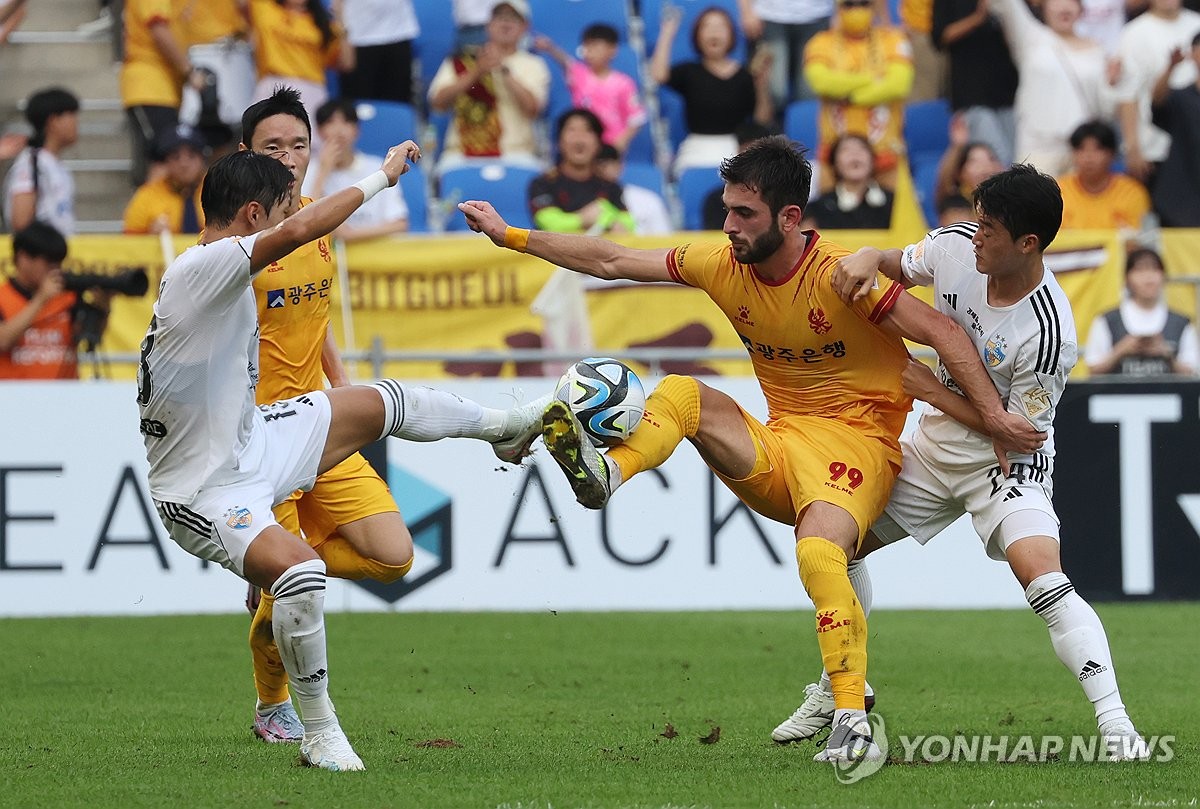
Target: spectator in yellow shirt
x=294 y=42
x=1095 y=196
x=152 y=75
x=862 y=73
x=171 y=202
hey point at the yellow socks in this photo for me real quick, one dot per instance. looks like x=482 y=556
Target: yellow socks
x=841 y=624
x=270 y=678
x=344 y=562
x=672 y=414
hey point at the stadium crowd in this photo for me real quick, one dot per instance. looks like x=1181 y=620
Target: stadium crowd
x=532 y=109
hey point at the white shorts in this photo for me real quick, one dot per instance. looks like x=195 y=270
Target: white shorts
x=283 y=455
x=927 y=498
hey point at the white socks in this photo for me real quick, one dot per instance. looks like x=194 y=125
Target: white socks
x=860 y=580
x=1079 y=641
x=427 y=414
x=298 y=621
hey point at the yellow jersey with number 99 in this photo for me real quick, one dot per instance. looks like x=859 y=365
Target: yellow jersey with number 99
x=812 y=354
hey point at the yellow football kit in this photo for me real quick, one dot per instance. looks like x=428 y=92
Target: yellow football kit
x=830 y=375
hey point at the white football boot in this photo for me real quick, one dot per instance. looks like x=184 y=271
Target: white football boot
x=522 y=427
x=584 y=466
x=814 y=714
x=329 y=749
x=1121 y=742
x=851 y=740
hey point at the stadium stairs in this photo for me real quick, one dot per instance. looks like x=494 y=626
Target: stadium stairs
x=45 y=52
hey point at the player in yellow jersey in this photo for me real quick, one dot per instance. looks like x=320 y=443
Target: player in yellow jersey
x=826 y=459
x=349 y=516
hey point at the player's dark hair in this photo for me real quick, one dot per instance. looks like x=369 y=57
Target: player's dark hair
x=284 y=101
x=239 y=179
x=733 y=31
x=1101 y=132
x=45 y=104
x=775 y=168
x=334 y=106
x=588 y=116
x=601 y=31
x=1024 y=201
x=1140 y=254
x=40 y=240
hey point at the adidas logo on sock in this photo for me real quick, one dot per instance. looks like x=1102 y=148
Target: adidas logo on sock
x=1091 y=669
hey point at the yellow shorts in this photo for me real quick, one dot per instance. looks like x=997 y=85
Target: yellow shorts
x=347 y=492
x=800 y=460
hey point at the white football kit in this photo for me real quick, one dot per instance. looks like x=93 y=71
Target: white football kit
x=1029 y=349
x=218 y=463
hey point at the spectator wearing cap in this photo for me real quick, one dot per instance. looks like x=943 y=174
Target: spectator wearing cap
x=496 y=92
x=1142 y=337
x=39 y=184
x=340 y=165
x=379 y=36
x=171 y=202
x=1095 y=196
x=572 y=197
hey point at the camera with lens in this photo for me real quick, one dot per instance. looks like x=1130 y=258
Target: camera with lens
x=127 y=282
x=90 y=320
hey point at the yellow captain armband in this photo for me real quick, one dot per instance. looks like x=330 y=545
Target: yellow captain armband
x=516 y=238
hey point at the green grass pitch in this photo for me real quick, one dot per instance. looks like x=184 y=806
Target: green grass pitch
x=571 y=710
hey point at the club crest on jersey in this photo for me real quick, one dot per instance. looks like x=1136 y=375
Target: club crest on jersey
x=818 y=322
x=995 y=351
x=323 y=249
x=276 y=299
x=238 y=518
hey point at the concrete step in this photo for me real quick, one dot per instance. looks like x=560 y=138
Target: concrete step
x=59 y=15
x=100 y=82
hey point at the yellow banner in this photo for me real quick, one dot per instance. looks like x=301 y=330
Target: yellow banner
x=462 y=294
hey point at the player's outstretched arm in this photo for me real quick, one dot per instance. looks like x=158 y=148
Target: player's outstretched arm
x=324 y=215
x=854 y=274
x=585 y=254
x=916 y=321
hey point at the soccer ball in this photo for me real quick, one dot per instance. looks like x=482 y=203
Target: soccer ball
x=606 y=396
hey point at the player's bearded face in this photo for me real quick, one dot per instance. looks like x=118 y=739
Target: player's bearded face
x=760 y=248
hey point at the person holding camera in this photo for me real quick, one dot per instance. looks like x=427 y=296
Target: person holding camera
x=37 y=320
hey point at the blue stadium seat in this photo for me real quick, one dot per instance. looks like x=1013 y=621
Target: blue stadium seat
x=505 y=186
x=694 y=186
x=682 y=50
x=412 y=185
x=564 y=20
x=670 y=108
x=927 y=128
x=383 y=124
x=800 y=122
x=924 y=174
x=646 y=175
x=436 y=41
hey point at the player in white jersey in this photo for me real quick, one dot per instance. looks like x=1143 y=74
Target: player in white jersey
x=218 y=464
x=990 y=278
